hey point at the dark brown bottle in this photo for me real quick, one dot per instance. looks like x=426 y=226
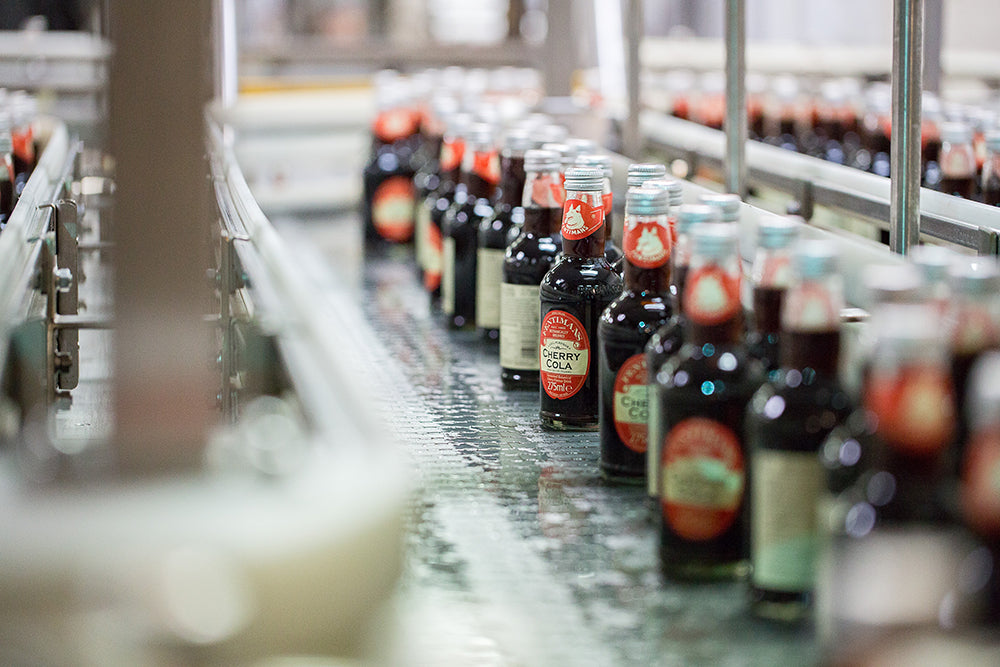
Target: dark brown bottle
x=788 y=420
x=389 y=197
x=980 y=493
x=644 y=306
x=526 y=261
x=890 y=550
x=957 y=161
x=974 y=317
x=495 y=232
x=704 y=390
x=991 y=169
x=770 y=275
x=7 y=198
x=460 y=227
x=431 y=213
x=429 y=175
x=573 y=295
x=667 y=340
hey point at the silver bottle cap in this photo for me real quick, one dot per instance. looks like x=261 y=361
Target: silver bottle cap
x=587 y=179
x=647 y=201
x=538 y=159
x=979 y=276
x=775 y=231
x=640 y=172
x=815 y=258
x=713 y=240
x=603 y=162
x=728 y=205
x=691 y=215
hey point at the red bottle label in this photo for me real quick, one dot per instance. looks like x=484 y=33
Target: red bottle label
x=711 y=295
x=546 y=192
x=703 y=478
x=646 y=244
x=486 y=165
x=914 y=407
x=608 y=200
x=395 y=124
x=392 y=209
x=563 y=354
x=451 y=154
x=631 y=403
x=580 y=219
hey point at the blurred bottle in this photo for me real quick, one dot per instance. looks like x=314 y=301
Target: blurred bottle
x=574 y=293
x=704 y=389
x=495 y=232
x=957 y=161
x=7 y=191
x=891 y=555
x=626 y=325
x=667 y=340
x=770 y=276
x=23 y=108
x=431 y=213
x=980 y=491
x=991 y=169
x=934 y=263
x=428 y=177
x=526 y=261
x=460 y=226
x=788 y=419
x=728 y=205
x=973 y=320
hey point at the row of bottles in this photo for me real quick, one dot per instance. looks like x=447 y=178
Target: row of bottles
x=728 y=401
x=841 y=121
x=17 y=147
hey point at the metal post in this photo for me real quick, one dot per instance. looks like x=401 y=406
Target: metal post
x=633 y=24
x=933 y=36
x=160 y=82
x=736 y=108
x=907 y=61
x=227 y=53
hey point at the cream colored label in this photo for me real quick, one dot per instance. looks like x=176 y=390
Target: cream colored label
x=489 y=273
x=520 y=322
x=448 y=277
x=785 y=491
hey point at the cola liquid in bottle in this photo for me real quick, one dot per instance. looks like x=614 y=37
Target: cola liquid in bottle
x=991 y=169
x=645 y=305
x=495 y=232
x=667 y=340
x=770 y=276
x=429 y=176
x=460 y=227
x=957 y=161
x=788 y=420
x=526 y=261
x=704 y=389
x=573 y=295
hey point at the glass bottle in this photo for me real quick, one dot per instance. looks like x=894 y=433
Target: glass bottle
x=991 y=169
x=460 y=227
x=980 y=492
x=612 y=252
x=934 y=263
x=728 y=205
x=640 y=173
x=24 y=108
x=788 y=420
x=526 y=261
x=494 y=232
x=428 y=177
x=643 y=307
x=437 y=203
x=890 y=552
x=957 y=161
x=573 y=294
x=703 y=390
x=974 y=323
x=770 y=276
x=7 y=196
x=388 y=201
x=667 y=340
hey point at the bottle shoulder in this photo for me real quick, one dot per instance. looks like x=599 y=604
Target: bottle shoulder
x=693 y=364
x=582 y=276
x=638 y=310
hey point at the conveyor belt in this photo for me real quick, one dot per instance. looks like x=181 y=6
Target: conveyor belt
x=520 y=553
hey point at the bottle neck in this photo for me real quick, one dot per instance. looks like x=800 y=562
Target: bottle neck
x=647 y=247
x=712 y=301
x=480 y=174
x=512 y=181
x=583 y=229
x=647 y=280
x=450 y=158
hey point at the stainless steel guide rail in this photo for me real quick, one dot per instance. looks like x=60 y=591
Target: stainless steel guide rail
x=814 y=182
